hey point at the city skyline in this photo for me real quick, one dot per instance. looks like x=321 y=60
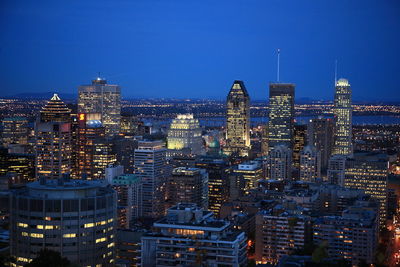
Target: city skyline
x=217 y=43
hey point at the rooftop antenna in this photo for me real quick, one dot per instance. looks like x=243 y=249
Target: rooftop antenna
x=277 y=74
x=98 y=74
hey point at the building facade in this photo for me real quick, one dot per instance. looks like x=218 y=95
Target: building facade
x=73 y=217
x=238 y=120
x=188 y=236
x=14 y=131
x=103 y=99
x=281 y=115
x=280 y=163
x=310 y=164
x=320 y=135
x=343 y=119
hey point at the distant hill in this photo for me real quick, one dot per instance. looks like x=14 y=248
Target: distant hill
x=46 y=95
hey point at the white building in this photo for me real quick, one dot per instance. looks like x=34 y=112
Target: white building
x=310 y=164
x=280 y=163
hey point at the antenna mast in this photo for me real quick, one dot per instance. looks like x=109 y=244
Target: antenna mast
x=277 y=74
x=335 y=71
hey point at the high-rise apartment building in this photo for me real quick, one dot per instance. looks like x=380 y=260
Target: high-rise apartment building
x=343 y=119
x=185 y=132
x=310 y=164
x=281 y=115
x=189 y=236
x=151 y=167
x=336 y=168
x=14 y=131
x=369 y=172
x=237 y=120
x=103 y=99
x=189 y=185
x=320 y=135
x=73 y=217
x=279 y=166
x=53 y=140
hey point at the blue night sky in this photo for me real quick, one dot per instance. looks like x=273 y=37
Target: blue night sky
x=195 y=49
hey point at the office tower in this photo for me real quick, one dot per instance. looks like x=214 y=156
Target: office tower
x=189 y=236
x=185 y=132
x=320 y=135
x=281 y=115
x=103 y=156
x=343 y=119
x=21 y=164
x=300 y=140
x=53 y=140
x=336 y=168
x=123 y=147
x=113 y=171
x=104 y=99
x=310 y=164
x=280 y=163
x=369 y=172
x=151 y=166
x=129 y=126
x=14 y=131
x=264 y=140
x=352 y=236
x=129 y=193
x=280 y=231
x=73 y=217
x=189 y=185
x=218 y=183
x=251 y=171
x=237 y=120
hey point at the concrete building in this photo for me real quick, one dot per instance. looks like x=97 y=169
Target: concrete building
x=185 y=132
x=251 y=171
x=74 y=217
x=342 y=111
x=103 y=99
x=14 y=131
x=281 y=115
x=280 y=163
x=189 y=185
x=336 y=168
x=53 y=140
x=152 y=168
x=310 y=164
x=237 y=120
x=299 y=142
x=188 y=236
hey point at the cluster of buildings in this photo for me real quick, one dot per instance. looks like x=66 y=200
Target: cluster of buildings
x=101 y=189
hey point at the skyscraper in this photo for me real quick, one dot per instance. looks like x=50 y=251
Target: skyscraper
x=343 y=119
x=151 y=166
x=238 y=120
x=281 y=115
x=185 y=132
x=102 y=98
x=299 y=141
x=320 y=135
x=280 y=163
x=15 y=131
x=53 y=140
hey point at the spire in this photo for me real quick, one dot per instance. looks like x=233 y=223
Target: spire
x=277 y=72
x=55 y=98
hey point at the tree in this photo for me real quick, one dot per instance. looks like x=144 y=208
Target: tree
x=49 y=258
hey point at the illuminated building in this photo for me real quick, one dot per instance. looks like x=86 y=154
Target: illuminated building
x=129 y=126
x=237 y=120
x=128 y=247
x=251 y=172
x=104 y=99
x=352 y=236
x=151 y=167
x=74 y=217
x=280 y=231
x=343 y=119
x=129 y=192
x=189 y=236
x=189 y=185
x=14 y=131
x=299 y=141
x=369 y=172
x=320 y=135
x=310 y=164
x=22 y=164
x=123 y=147
x=281 y=115
x=185 y=132
x=53 y=140
x=103 y=156
x=218 y=183
x=336 y=167
x=280 y=163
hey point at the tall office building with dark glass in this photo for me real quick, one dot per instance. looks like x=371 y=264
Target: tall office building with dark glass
x=281 y=115
x=102 y=98
x=237 y=120
x=343 y=119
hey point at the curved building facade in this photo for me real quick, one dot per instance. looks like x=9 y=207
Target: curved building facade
x=74 y=217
